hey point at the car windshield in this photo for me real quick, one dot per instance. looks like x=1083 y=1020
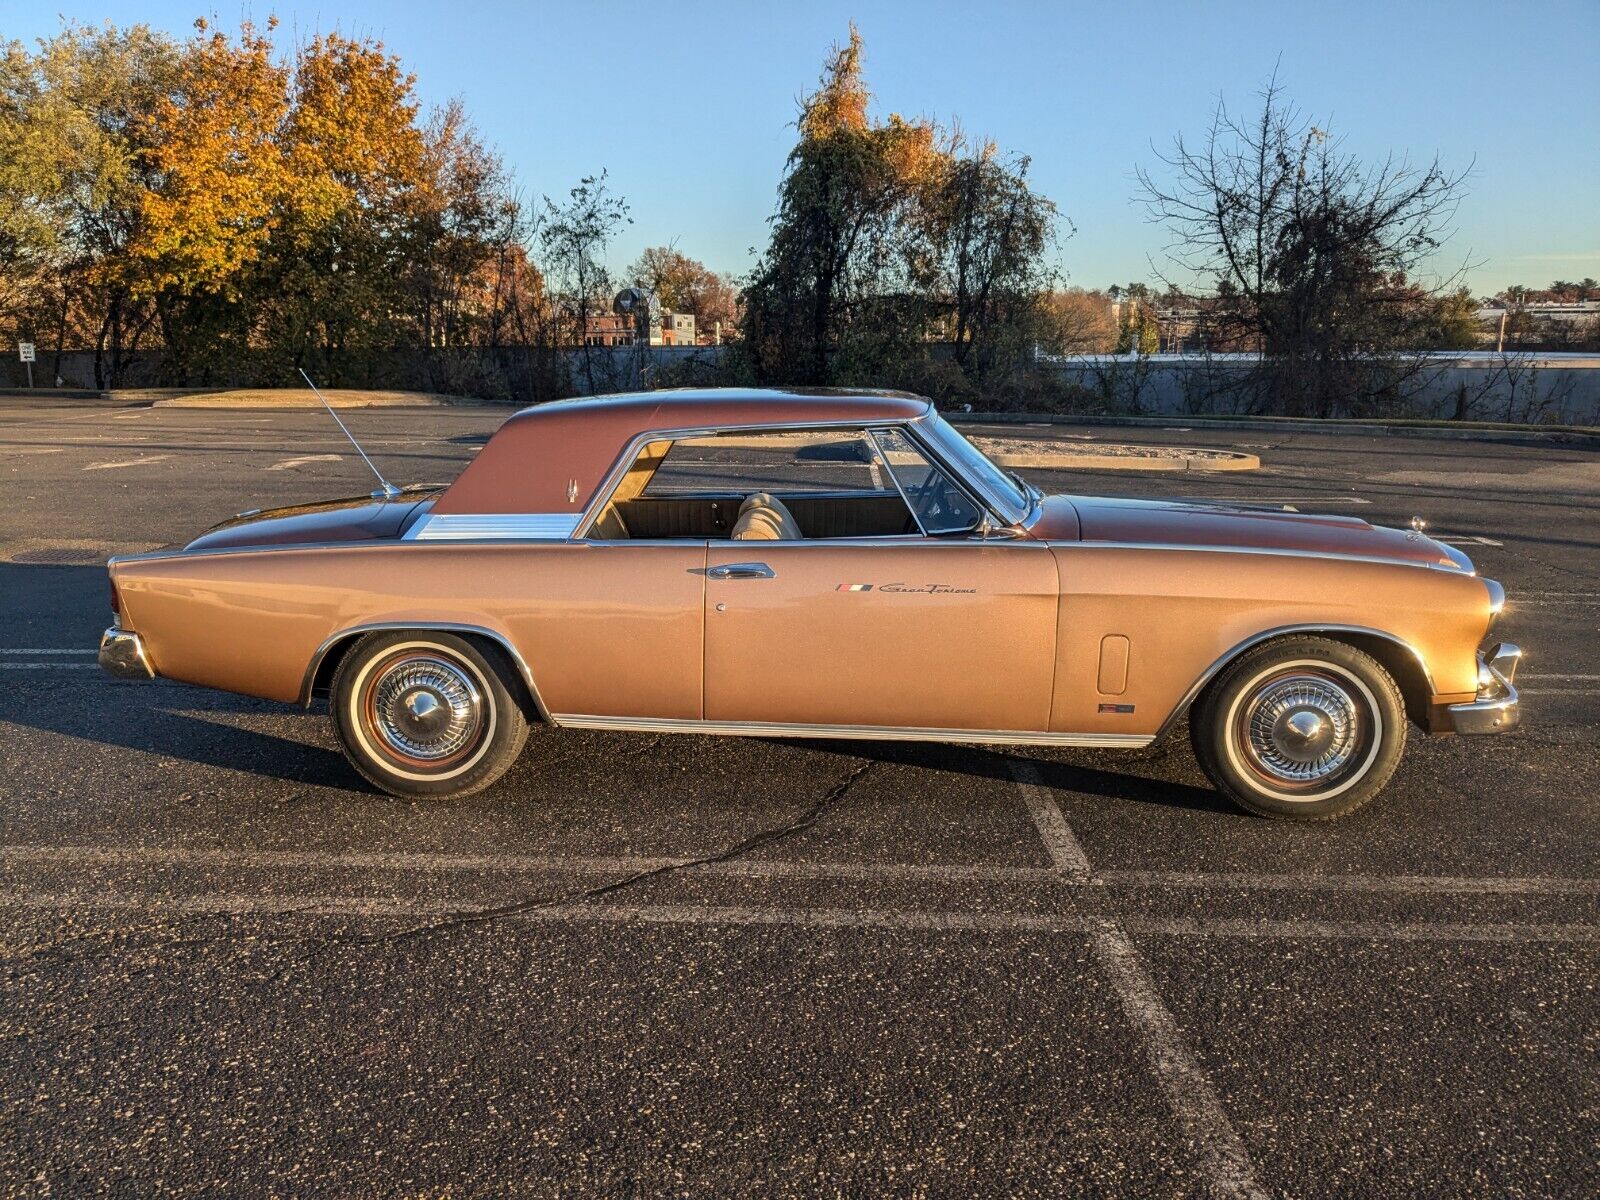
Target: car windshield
x=1009 y=492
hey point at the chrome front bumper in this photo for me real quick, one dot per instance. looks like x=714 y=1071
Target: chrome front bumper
x=1495 y=710
x=122 y=655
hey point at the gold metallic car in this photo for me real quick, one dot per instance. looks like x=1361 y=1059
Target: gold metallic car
x=820 y=564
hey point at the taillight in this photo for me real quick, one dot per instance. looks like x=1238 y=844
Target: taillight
x=116 y=601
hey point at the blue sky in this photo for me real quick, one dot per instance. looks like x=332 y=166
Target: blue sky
x=690 y=106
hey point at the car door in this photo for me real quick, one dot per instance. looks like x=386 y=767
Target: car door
x=921 y=633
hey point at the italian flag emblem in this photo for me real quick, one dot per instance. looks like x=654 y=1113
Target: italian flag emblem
x=853 y=587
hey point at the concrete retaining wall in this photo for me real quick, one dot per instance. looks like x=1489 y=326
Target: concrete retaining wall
x=1536 y=388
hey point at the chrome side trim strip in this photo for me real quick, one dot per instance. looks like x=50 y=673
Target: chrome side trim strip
x=421 y=627
x=868 y=733
x=471 y=527
x=1267 y=635
x=1331 y=555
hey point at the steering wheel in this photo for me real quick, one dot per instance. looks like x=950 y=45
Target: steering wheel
x=926 y=493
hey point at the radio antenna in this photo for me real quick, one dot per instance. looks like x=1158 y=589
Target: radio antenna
x=388 y=491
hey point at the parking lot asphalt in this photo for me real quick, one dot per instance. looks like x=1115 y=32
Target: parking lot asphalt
x=683 y=965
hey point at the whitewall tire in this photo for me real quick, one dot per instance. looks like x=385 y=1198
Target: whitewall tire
x=427 y=714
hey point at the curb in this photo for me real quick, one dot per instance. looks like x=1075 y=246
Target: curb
x=293 y=399
x=1128 y=462
x=1084 y=458
x=1583 y=436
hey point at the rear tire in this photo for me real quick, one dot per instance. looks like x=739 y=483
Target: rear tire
x=427 y=715
x=1304 y=727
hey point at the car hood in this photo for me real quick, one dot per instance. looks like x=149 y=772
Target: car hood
x=1224 y=526
x=357 y=519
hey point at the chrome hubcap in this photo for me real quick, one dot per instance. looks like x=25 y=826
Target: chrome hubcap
x=426 y=708
x=1301 y=729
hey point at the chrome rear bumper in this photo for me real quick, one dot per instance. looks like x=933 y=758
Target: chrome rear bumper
x=122 y=655
x=1496 y=708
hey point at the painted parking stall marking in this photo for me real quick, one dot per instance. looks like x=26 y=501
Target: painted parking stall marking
x=1224 y=1157
x=47 y=658
x=129 y=462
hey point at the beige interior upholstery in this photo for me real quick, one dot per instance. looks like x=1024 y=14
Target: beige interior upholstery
x=609 y=524
x=763 y=518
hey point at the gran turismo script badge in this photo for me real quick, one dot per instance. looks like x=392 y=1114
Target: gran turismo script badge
x=936 y=589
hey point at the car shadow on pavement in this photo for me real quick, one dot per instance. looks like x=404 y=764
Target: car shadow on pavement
x=993 y=763
x=192 y=725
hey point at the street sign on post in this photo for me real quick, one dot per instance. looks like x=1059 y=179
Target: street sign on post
x=25 y=352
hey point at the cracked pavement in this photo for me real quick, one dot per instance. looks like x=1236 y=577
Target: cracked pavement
x=688 y=966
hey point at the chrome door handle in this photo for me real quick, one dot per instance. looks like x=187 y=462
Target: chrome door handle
x=750 y=570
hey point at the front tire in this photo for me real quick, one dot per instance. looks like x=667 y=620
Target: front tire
x=427 y=714
x=1304 y=727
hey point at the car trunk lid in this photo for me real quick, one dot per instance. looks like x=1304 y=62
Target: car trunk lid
x=358 y=518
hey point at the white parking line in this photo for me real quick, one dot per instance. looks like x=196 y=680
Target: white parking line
x=47 y=666
x=345 y=905
x=25 y=651
x=290 y=464
x=1310 y=502
x=130 y=462
x=1065 y=851
x=869 y=872
x=1223 y=1154
x=1466 y=540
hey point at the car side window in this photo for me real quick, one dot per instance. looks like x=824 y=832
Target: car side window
x=782 y=462
x=798 y=484
x=939 y=504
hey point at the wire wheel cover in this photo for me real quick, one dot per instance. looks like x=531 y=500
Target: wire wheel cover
x=424 y=709
x=1302 y=729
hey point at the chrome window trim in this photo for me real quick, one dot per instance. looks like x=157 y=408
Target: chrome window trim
x=1030 y=495
x=985 y=509
x=421 y=627
x=1268 y=635
x=909 y=733
x=608 y=485
x=894 y=478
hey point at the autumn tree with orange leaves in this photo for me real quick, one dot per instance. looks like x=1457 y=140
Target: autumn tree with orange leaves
x=890 y=235
x=246 y=211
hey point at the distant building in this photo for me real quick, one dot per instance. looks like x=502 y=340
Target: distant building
x=610 y=329
x=675 y=329
x=635 y=319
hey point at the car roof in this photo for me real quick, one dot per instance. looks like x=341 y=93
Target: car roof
x=539 y=453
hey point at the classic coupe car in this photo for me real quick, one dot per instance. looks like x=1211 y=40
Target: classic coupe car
x=820 y=564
